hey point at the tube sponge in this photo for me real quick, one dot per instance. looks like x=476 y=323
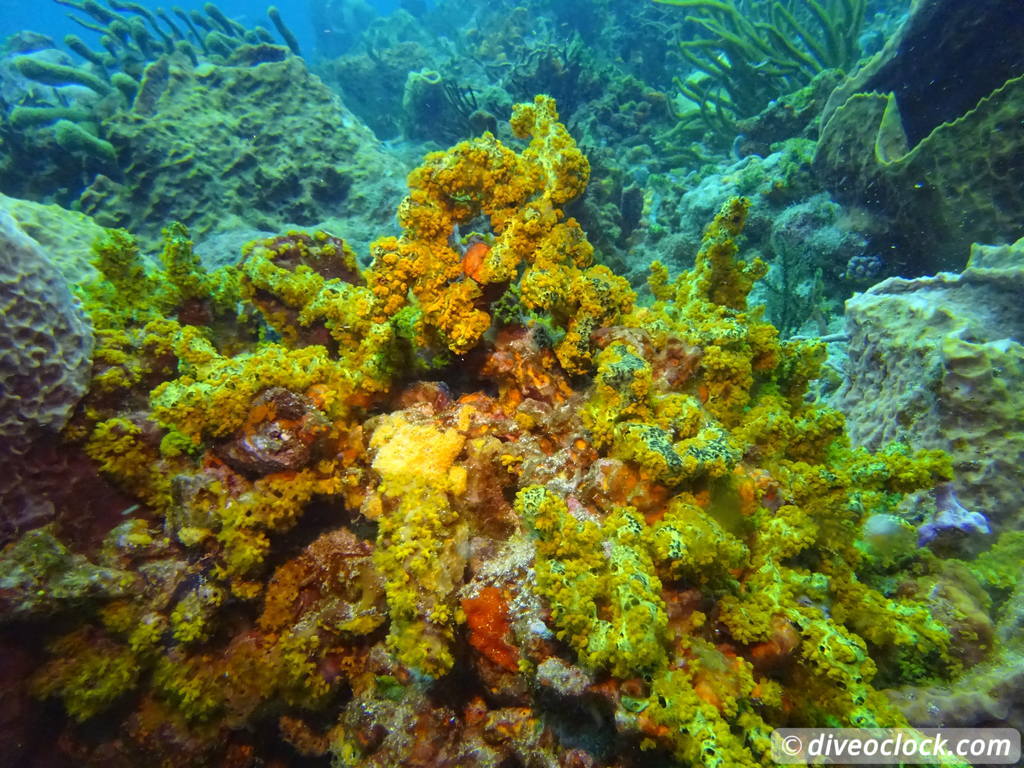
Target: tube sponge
x=230 y=27
x=126 y=84
x=75 y=139
x=48 y=73
x=77 y=45
x=286 y=34
x=27 y=117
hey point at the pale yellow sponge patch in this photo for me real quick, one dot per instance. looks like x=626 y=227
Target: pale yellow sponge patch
x=419 y=538
x=411 y=455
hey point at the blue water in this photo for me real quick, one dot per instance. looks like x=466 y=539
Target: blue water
x=50 y=18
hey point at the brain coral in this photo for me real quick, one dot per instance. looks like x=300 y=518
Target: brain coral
x=66 y=236
x=45 y=342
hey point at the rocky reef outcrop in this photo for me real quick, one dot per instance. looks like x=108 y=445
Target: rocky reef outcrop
x=938 y=362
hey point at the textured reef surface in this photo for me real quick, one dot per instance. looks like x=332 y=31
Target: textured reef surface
x=585 y=531
x=565 y=452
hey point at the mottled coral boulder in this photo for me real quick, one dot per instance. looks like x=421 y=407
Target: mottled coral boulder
x=218 y=147
x=45 y=342
x=45 y=360
x=938 y=362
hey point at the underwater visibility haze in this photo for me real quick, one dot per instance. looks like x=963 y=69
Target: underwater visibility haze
x=492 y=384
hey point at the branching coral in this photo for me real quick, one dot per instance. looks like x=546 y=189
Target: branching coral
x=133 y=307
x=220 y=400
x=757 y=50
x=584 y=584
x=762 y=514
x=522 y=196
x=418 y=539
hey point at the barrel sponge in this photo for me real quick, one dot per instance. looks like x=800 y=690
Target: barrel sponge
x=938 y=362
x=45 y=342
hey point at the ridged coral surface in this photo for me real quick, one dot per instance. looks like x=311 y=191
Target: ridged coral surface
x=938 y=361
x=45 y=341
x=66 y=236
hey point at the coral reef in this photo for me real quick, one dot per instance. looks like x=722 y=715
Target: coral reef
x=52 y=482
x=607 y=69
x=795 y=114
x=373 y=86
x=434 y=107
x=190 y=107
x=753 y=52
x=132 y=34
x=545 y=457
x=29 y=152
x=419 y=538
x=807 y=239
x=474 y=505
x=59 y=131
x=989 y=692
x=41 y=578
x=540 y=482
x=45 y=358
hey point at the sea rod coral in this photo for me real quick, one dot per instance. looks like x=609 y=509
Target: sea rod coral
x=431 y=515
